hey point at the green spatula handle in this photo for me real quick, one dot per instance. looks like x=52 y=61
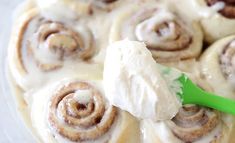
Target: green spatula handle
x=192 y=94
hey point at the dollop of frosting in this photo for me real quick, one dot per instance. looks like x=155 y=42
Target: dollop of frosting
x=137 y=84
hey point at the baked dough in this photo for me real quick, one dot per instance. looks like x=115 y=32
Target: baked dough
x=217 y=66
x=76 y=111
x=167 y=35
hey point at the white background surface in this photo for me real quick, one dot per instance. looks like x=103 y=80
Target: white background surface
x=12 y=128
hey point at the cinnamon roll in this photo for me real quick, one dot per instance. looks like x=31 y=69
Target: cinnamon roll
x=76 y=111
x=39 y=45
x=216 y=16
x=192 y=124
x=217 y=66
x=167 y=35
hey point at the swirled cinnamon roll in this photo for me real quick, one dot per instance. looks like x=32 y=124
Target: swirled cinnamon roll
x=76 y=111
x=39 y=45
x=216 y=16
x=192 y=124
x=168 y=36
x=217 y=66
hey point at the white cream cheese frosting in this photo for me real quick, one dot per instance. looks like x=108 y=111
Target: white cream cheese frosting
x=134 y=82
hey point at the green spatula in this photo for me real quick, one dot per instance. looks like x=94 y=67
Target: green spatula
x=192 y=94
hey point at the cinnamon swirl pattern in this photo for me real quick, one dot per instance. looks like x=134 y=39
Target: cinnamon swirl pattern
x=217 y=66
x=46 y=45
x=169 y=37
x=193 y=122
x=76 y=111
